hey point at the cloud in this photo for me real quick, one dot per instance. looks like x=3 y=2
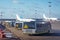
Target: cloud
x=15 y=1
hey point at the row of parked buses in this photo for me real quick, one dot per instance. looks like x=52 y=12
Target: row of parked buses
x=34 y=27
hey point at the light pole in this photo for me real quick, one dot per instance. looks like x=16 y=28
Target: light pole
x=1 y=14
x=35 y=13
x=49 y=8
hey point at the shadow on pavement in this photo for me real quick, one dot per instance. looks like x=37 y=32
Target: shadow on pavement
x=14 y=39
x=10 y=39
x=46 y=34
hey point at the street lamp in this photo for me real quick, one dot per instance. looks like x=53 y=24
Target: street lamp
x=49 y=8
x=1 y=14
x=35 y=13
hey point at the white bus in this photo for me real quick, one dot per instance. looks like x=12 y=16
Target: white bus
x=36 y=27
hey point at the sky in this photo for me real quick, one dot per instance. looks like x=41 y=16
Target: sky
x=29 y=8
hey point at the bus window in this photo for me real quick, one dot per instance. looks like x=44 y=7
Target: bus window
x=25 y=26
x=29 y=25
x=39 y=25
x=19 y=25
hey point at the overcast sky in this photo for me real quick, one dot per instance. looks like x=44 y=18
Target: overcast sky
x=29 y=8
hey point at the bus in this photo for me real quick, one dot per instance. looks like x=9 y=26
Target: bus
x=34 y=27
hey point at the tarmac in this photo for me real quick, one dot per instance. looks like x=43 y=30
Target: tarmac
x=54 y=35
x=56 y=27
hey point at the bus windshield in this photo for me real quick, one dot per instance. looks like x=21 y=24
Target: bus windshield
x=29 y=25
